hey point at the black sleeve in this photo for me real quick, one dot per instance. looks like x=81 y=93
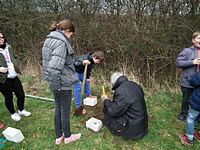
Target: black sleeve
x=117 y=106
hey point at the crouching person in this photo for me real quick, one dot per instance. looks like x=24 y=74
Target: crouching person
x=126 y=115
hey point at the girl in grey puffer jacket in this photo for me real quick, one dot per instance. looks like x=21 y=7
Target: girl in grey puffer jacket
x=58 y=70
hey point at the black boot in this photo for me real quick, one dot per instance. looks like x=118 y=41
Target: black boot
x=182 y=117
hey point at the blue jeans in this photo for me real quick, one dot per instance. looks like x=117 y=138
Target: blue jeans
x=77 y=90
x=191 y=117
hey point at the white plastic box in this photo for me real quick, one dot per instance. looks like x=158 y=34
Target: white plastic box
x=12 y=134
x=94 y=124
x=90 y=101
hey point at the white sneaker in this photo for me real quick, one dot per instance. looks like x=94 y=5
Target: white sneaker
x=24 y=112
x=15 y=117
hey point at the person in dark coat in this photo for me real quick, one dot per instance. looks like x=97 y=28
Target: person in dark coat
x=126 y=115
x=193 y=112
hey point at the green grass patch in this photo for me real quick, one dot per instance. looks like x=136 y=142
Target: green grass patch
x=163 y=107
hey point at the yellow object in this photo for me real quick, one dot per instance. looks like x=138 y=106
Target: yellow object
x=103 y=91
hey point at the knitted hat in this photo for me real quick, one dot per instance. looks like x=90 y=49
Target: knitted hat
x=115 y=76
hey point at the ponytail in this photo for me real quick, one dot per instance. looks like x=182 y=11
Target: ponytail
x=53 y=26
x=62 y=25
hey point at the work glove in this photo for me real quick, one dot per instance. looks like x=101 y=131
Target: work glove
x=104 y=97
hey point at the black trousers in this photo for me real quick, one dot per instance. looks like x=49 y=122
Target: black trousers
x=7 y=89
x=187 y=92
x=62 y=112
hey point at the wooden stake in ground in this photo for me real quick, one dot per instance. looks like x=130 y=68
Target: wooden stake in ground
x=84 y=78
x=83 y=86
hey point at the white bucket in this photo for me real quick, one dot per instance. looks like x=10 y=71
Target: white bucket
x=12 y=134
x=90 y=101
x=94 y=124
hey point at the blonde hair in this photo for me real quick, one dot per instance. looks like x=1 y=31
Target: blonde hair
x=195 y=34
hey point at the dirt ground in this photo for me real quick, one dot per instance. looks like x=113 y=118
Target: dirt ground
x=95 y=111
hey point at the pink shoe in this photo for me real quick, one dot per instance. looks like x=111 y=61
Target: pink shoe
x=59 y=140
x=72 y=138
